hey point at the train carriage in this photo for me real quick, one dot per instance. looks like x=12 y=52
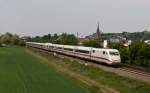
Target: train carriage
x=69 y=50
x=83 y=52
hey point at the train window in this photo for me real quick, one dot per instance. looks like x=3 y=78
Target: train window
x=83 y=51
x=103 y=52
x=51 y=47
x=113 y=53
x=93 y=51
x=68 y=49
x=59 y=47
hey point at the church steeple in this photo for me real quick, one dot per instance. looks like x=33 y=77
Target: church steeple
x=98 y=27
x=98 y=34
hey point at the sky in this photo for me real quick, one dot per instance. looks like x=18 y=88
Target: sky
x=39 y=17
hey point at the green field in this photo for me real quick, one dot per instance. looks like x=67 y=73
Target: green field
x=21 y=73
x=25 y=72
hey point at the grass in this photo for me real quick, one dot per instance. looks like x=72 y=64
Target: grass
x=21 y=73
x=111 y=80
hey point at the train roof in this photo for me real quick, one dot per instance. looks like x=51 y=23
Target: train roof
x=105 y=49
x=77 y=47
x=84 y=48
x=69 y=46
x=98 y=49
x=48 y=44
x=57 y=45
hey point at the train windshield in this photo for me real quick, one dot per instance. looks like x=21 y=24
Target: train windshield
x=113 y=53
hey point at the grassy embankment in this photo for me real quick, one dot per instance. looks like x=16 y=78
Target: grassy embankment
x=21 y=73
x=106 y=79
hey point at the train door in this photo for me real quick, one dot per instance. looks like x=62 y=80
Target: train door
x=95 y=55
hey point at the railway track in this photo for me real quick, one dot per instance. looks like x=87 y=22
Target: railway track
x=135 y=71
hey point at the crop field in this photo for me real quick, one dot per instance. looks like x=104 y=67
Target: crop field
x=21 y=73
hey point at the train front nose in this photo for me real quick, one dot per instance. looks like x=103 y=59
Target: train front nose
x=116 y=62
x=116 y=59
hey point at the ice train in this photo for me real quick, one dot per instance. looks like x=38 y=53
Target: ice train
x=108 y=56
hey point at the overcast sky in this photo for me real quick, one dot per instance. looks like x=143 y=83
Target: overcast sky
x=39 y=17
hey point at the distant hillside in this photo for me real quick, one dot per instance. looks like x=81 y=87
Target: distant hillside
x=138 y=35
x=145 y=35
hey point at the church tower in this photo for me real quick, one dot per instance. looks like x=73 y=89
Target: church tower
x=98 y=33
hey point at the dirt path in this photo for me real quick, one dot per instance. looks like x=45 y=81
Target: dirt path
x=77 y=76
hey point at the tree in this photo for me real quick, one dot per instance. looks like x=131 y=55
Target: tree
x=14 y=39
x=45 y=38
x=6 y=38
x=0 y=41
x=21 y=43
x=67 y=39
x=134 y=48
x=54 y=38
x=143 y=56
x=10 y=39
x=92 y=43
x=36 y=39
x=124 y=53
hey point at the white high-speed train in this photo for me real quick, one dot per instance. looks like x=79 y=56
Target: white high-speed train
x=108 y=56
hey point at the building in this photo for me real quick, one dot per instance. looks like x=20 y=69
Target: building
x=116 y=39
x=128 y=43
x=147 y=42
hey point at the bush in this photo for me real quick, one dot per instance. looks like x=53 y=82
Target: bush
x=21 y=43
x=11 y=39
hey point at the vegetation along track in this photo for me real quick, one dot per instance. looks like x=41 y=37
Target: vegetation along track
x=127 y=72
x=123 y=71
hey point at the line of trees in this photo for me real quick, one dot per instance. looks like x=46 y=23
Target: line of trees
x=11 y=39
x=138 y=53
x=66 y=39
